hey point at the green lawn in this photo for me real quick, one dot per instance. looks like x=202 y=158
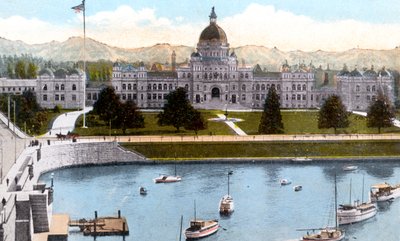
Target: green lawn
x=295 y=122
x=266 y=149
x=306 y=122
x=152 y=128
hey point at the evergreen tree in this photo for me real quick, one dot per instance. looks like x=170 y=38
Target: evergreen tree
x=380 y=113
x=271 y=119
x=129 y=116
x=107 y=105
x=176 y=110
x=333 y=114
x=10 y=71
x=195 y=121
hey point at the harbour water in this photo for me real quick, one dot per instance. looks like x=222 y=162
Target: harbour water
x=264 y=210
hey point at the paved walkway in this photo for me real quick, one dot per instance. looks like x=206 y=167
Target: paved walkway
x=232 y=125
x=65 y=123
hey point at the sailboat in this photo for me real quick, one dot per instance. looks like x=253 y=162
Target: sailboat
x=200 y=228
x=226 y=204
x=328 y=233
x=167 y=178
x=357 y=212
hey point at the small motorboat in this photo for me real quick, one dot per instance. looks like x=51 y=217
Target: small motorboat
x=384 y=192
x=142 y=191
x=297 y=188
x=350 y=168
x=301 y=160
x=285 y=181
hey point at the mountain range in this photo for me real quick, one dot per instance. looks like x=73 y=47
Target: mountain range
x=250 y=55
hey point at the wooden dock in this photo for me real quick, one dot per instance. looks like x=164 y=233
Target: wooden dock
x=58 y=229
x=102 y=226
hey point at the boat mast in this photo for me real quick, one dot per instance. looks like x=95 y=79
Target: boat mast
x=195 y=210
x=336 y=220
x=362 y=194
x=350 y=192
x=180 y=232
x=228 y=183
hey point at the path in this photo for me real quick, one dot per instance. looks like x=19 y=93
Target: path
x=65 y=123
x=232 y=125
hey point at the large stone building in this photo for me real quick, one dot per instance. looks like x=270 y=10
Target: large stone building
x=214 y=79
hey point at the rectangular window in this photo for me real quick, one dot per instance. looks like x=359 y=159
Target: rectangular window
x=94 y=96
x=298 y=97
x=73 y=97
x=62 y=97
x=149 y=96
x=124 y=96
x=89 y=96
x=154 y=96
x=44 y=97
x=129 y=96
x=134 y=96
x=293 y=97
x=304 y=97
x=57 y=97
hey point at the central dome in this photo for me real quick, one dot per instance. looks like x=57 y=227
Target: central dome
x=213 y=32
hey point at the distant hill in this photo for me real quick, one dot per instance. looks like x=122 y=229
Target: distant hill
x=269 y=58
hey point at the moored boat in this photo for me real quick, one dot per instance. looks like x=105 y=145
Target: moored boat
x=349 y=168
x=285 y=181
x=201 y=228
x=226 y=204
x=297 y=188
x=357 y=212
x=384 y=192
x=142 y=191
x=301 y=159
x=167 y=179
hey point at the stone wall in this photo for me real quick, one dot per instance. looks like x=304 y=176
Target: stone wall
x=76 y=154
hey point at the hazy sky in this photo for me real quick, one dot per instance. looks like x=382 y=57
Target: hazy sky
x=308 y=25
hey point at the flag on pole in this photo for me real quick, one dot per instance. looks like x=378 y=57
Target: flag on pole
x=79 y=8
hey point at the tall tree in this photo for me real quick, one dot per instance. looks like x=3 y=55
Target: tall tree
x=333 y=114
x=380 y=113
x=271 y=119
x=107 y=105
x=32 y=71
x=195 y=121
x=176 y=110
x=20 y=72
x=129 y=116
x=10 y=71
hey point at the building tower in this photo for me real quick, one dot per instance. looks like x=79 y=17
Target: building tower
x=173 y=61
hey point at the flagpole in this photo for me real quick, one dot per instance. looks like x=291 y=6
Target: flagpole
x=84 y=63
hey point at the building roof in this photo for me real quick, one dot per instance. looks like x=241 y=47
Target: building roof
x=162 y=74
x=213 y=32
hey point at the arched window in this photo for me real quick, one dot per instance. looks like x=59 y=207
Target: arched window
x=241 y=75
x=165 y=87
x=373 y=88
x=189 y=75
x=45 y=87
x=57 y=87
x=154 y=86
x=159 y=86
x=149 y=86
x=62 y=87
x=246 y=75
x=134 y=86
x=357 y=88
x=129 y=86
x=205 y=76
x=293 y=87
x=225 y=76
x=73 y=87
x=258 y=87
x=268 y=86
x=368 y=88
x=209 y=76
x=184 y=75
x=304 y=87
x=243 y=87
x=124 y=86
x=187 y=87
x=170 y=87
x=273 y=86
x=298 y=87
x=263 y=87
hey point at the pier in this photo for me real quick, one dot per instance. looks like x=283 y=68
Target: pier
x=102 y=226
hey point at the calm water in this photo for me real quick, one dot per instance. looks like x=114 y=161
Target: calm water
x=265 y=210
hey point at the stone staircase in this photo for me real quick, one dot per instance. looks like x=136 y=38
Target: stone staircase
x=40 y=219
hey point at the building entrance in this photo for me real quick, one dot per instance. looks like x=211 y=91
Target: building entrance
x=215 y=93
